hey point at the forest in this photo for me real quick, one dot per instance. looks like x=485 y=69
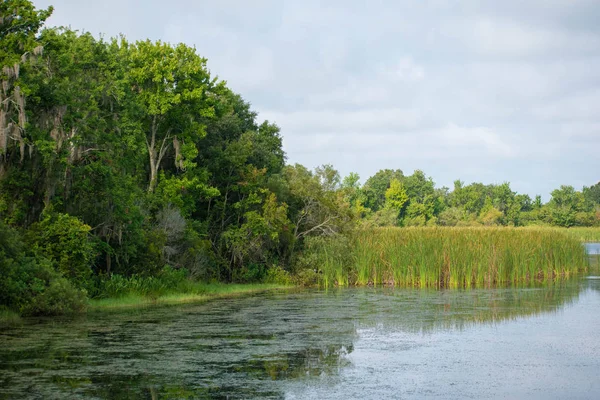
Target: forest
x=129 y=166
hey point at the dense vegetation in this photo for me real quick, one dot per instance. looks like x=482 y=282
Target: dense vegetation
x=129 y=166
x=448 y=257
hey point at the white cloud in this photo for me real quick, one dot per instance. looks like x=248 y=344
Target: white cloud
x=405 y=70
x=392 y=120
x=478 y=140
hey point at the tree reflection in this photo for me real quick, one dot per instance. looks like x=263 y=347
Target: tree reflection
x=241 y=348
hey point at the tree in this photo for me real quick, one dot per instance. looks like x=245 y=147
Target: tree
x=168 y=89
x=565 y=205
x=19 y=26
x=353 y=195
x=257 y=236
x=592 y=194
x=351 y=181
x=396 y=197
x=376 y=186
x=328 y=177
x=316 y=208
x=64 y=240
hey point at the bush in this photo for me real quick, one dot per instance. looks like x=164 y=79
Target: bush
x=30 y=285
x=328 y=257
x=250 y=273
x=58 y=298
x=307 y=277
x=65 y=241
x=278 y=275
x=168 y=280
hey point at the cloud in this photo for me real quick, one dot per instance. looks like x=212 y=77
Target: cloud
x=500 y=37
x=391 y=120
x=405 y=70
x=478 y=140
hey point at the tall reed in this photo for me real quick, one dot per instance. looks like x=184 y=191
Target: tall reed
x=445 y=257
x=583 y=233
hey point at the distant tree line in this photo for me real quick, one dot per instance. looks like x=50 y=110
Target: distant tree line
x=390 y=198
x=131 y=159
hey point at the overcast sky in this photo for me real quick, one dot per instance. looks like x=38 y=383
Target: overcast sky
x=482 y=91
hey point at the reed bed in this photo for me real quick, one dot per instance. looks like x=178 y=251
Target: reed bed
x=583 y=234
x=444 y=257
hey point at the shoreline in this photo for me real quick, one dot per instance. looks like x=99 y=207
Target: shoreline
x=213 y=292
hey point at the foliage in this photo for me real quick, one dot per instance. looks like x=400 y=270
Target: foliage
x=448 y=257
x=396 y=196
x=129 y=167
x=58 y=298
x=30 y=284
x=65 y=241
x=167 y=280
x=376 y=186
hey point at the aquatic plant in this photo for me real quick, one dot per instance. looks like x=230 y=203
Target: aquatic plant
x=444 y=257
x=582 y=233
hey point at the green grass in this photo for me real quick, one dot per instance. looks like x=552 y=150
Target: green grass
x=451 y=257
x=9 y=317
x=583 y=234
x=195 y=292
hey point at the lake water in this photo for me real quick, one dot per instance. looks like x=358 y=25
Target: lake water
x=368 y=343
x=593 y=248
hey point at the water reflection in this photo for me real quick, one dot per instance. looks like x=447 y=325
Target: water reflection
x=245 y=347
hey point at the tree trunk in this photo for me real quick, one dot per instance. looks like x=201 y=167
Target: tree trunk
x=153 y=170
x=154 y=155
x=108 y=264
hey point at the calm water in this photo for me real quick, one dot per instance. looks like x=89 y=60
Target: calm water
x=593 y=248
x=534 y=343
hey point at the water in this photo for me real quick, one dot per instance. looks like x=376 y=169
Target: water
x=369 y=343
x=592 y=248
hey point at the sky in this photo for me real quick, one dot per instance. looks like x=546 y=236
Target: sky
x=482 y=91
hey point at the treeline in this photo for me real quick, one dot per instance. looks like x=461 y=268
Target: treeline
x=130 y=160
x=389 y=198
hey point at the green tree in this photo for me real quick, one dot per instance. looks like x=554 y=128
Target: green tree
x=396 y=197
x=376 y=186
x=65 y=241
x=592 y=194
x=19 y=26
x=316 y=208
x=168 y=91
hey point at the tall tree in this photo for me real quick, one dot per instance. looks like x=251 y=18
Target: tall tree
x=169 y=92
x=376 y=186
x=19 y=26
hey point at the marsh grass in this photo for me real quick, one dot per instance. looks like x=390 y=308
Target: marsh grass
x=195 y=292
x=583 y=234
x=9 y=317
x=450 y=257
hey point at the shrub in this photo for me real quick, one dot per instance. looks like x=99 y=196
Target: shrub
x=65 y=241
x=168 y=280
x=30 y=285
x=58 y=298
x=278 y=275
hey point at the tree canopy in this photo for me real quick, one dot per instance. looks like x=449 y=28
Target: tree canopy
x=130 y=159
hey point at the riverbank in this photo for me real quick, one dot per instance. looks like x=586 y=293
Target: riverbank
x=9 y=317
x=203 y=292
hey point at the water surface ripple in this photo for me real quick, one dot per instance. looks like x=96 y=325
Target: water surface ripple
x=534 y=343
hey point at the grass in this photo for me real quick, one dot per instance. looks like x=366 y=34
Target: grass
x=583 y=234
x=195 y=292
x=451 y=257
x=9 y=317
